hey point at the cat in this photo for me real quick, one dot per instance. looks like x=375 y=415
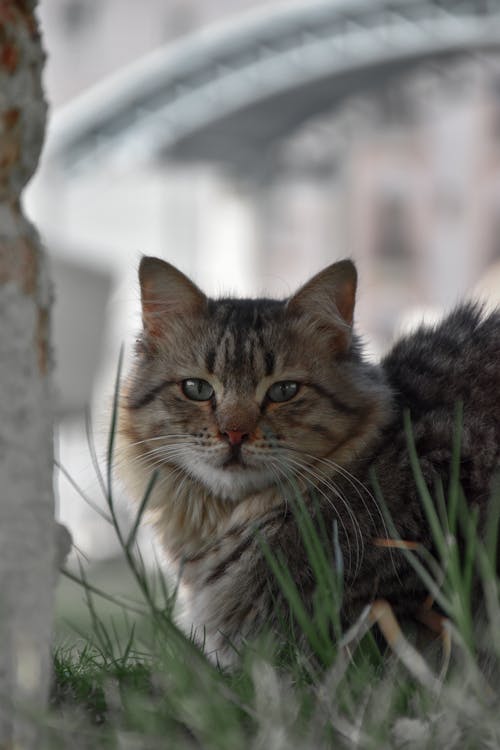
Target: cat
x=234 y=400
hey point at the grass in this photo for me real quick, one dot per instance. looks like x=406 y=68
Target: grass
x=133 y=680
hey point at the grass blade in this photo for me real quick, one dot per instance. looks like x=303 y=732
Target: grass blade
x=142 y=507
x=423 y=490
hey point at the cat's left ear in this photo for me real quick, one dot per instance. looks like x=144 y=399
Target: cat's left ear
x=166 y=294
x=329 y=298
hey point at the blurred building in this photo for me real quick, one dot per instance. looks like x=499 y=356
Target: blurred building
x=407 y=183
x=89 y=39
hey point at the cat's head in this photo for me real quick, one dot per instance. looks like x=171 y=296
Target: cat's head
x=242 y=394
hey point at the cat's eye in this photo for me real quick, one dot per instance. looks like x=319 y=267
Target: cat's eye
x=283 y=390
x=197 y=389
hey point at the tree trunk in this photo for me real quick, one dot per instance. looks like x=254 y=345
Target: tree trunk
x=26 y=501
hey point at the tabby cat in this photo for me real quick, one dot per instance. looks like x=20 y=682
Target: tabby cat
x=234 y=400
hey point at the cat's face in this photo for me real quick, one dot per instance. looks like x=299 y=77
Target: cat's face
x=244 y=394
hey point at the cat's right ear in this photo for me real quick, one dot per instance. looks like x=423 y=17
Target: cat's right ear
x=166 y=293
x=328 y=300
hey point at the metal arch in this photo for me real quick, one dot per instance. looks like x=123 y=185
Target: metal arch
x=227 y=93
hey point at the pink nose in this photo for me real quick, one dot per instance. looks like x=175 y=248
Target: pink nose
x=236 y=437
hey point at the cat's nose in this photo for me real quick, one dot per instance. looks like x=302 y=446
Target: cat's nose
x=236 y=437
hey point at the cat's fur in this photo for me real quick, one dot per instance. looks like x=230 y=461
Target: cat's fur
x=345 y=418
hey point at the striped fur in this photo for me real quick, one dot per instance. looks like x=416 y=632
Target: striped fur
x=212 y=496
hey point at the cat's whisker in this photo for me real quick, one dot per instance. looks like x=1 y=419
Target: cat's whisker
x=159 y=450
x=275 y=469
x=353 y=480
x=359 y=488
x=358 y=536
x=310 y=478
x=152 y=460
x=159 y=462
x=167 y=450
x=182 y=482
x=167 y=436
x=357 y=485
x=169 y=447
x=299 y=469
x=329 y=483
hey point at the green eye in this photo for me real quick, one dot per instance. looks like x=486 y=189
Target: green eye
x=284 y=390
x=197 y=389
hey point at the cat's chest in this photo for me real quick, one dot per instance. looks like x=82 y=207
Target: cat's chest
x=213 y=604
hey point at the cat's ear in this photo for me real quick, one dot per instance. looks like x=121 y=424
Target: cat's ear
x=166 y=292
x=329 y=298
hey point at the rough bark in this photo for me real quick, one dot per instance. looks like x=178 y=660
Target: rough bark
x=26 y=500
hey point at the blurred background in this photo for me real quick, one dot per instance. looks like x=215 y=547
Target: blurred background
x=251 y=143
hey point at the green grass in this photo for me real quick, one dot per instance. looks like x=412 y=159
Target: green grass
x=128 y=678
